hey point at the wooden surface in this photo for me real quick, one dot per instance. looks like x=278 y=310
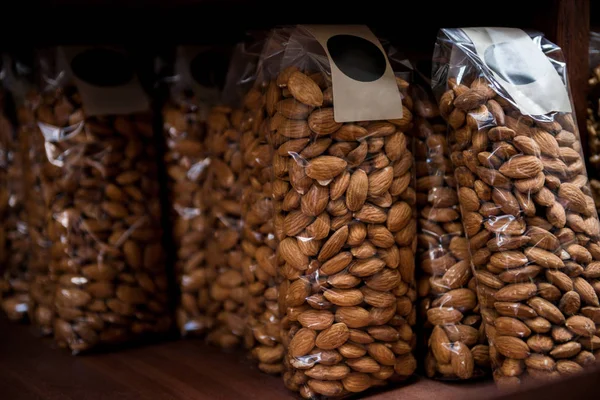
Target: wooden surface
x=32 y=368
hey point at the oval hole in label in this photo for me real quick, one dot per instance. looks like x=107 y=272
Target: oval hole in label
x=356 y=57
x=102 y=67
x=506 y=61
x=209 y=68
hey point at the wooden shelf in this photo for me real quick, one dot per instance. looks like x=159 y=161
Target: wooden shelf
x=33 y=368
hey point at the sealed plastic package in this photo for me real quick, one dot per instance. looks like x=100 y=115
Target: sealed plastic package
x=101 y=196
x=343 y=203
x=14 y=244
x=593 y=113
x=525 y=199
x=456 y=350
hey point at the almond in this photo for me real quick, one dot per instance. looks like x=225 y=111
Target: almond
x=333 y=244
x=337 y=263
x=357 y=191
x=547 y=310
x=344 y=298
x=566 y=367
x=511 y=347
x=293 y=128
x=440 y=345
x=570 y=303
x=581 y=326
x=352 y=350
x=304 y=89
x=540 y=362
x=493 y=178
x=586 y=291
x=353 y=317
x=527 y=145
x=516 y=292
x=469 y=200
x=399 y=216
x=356 y=382
x=333 y=337
x=506 y=326
x=462 y=361
x=324 y=168
x=297 y=293
x=322 y=122
x=381 y=353
x=289 y=250
x=517 y=310
x=470 y=99
x=542 y=238
x=315 y=201
x=566 y=350
x=443 y=315
x=544 y=258
x=293 y=109
x=326 y=388
x=573 y=197
x=364 y=364
x=540 y=344
x=316 y=319
x=380 y=181
x=302 y=342
x=328 y=372
x=461 y=299
x=508 y=259
x=522 y=167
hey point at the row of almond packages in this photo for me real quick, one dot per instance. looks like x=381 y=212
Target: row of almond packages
x=296 y=234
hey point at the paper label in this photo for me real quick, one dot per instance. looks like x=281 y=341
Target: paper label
x=364 y=85
x=521 y=68
x=105 y=79
x=195 y=67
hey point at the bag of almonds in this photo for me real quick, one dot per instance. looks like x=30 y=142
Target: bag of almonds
x=101 y=197
x=20 y=82
x=14 y=244
x=525 y=200
x=184 y=126
x=343 y=203
x=454 y=349
x=593 y=114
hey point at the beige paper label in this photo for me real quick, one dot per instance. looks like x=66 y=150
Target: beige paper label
x=105 y=79
x=187 y=57
x=521 y=68
x=364 y=85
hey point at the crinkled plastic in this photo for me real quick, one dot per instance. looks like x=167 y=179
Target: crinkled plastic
x=593 y=114
x=345 y=227
x=263 y=333
x=186 y=159
x=14 y=243
x=456 y=350
x=101 y=198
x=529 y=217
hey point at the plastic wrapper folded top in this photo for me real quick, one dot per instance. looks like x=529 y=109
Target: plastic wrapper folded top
x=102 y=196
x=344 y=210
x=184 y=121
x=593 y=114
x=458 y=349
x=14 y=244
x=525 y=199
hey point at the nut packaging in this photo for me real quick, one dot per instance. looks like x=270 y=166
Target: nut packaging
x=14 y=243
x=106 y=256
x=593 y=113
x=525 y=200
x=344 y=220
x=262 y=336
x=184 y=126
x=454 y=350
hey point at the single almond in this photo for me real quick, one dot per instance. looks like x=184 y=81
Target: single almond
x=304 y=89
x=333 y=337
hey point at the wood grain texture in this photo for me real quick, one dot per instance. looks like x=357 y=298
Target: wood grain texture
x=31 y=368
x=569 y=27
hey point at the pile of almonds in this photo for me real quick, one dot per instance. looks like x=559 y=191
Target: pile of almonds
x=14 y=281
x=533 y=233
x=106 y=255
x=36 y=170
x=258 y=243
x=186 y=163
x=455 y=350
x=346 y=230
x=227 y=290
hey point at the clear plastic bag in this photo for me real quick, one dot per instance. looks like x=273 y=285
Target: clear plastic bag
x=526 y=210
x=593 y=114
x=186 y=159
x=456 y=350
x=345 y=227
x=103 y=215
x=14 y=243
x=263 y=328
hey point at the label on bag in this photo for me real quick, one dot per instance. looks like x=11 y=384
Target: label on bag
x=105 y=79
x=364 y=85
x=196 y=67
x=521 y=68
